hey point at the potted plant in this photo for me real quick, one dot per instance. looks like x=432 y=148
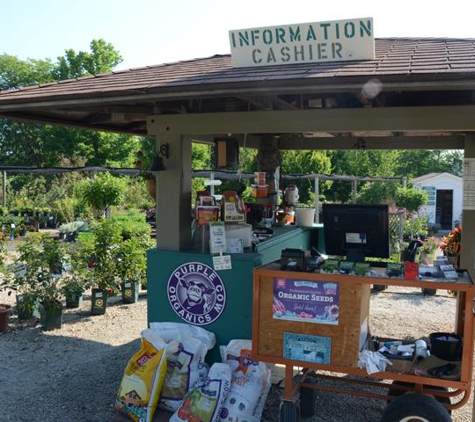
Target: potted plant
x=103 y=263
x=5 y=309
x=132 y=267
x=43 y=257
x=451 y=246
x=76 y=281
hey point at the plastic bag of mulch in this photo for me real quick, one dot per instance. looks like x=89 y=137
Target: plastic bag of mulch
x=250 y=384
x=143 y=379
x=204 y=401
x=186 y=349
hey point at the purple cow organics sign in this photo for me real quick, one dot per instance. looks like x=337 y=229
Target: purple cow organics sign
x=306 y=301
x=196 y=293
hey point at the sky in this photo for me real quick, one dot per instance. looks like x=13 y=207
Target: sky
x=149 y=32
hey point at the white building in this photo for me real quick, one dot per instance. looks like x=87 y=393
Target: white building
x=445 y=194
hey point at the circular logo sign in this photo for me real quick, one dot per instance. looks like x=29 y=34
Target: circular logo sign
x=196 y=293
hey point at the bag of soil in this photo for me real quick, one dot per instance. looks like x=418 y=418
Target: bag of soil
x=250 y=384
x=203 y=402
x=143 y=379
x=186 y=349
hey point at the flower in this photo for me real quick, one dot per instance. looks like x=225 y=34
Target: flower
x=451 y=244
x=143 y=164
x=430 y=245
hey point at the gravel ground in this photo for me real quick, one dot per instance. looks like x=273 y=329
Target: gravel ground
x=73 y=374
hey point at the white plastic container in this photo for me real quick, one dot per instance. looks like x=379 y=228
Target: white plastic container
x=240 y=231
x=305 y=216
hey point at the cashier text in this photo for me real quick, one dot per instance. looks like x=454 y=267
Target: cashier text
x=300 y=43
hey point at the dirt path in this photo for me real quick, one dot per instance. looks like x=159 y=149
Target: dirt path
x=73 y=374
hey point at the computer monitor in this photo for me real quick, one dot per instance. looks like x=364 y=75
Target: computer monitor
x=356 y=231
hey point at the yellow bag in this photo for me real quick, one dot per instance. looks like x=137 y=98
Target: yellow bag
x=143 y=379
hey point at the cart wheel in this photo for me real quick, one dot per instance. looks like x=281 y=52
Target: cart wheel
x=289 y=412
x=379 y=287
x=308 y=397
x=412 y=407
x=429 y=292
x=395 y=392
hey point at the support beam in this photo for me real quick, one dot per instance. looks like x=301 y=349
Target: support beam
x=437 y=118
x=174 y=195
x=467 y=256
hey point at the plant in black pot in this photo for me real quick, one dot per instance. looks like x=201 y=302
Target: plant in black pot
x=132 y=267
x=103 y=263
x=77 y=280
x=36 y=278
x=43 y=257
x=5 y=308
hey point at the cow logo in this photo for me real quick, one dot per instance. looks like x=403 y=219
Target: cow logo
x=196 y=293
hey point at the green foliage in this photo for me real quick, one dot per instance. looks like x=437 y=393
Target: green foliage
x=410 y=199
x=104 y=254
x=42 y=257
x=132 y=224
x=415 y=225
x=376 y=193
x=136 y=195
x=132 y=263
x=306 y=162
x=103 y=192
x=102 y=59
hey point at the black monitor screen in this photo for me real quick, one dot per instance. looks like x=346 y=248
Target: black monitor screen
x=356 y=231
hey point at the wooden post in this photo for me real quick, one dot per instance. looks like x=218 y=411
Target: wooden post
x=173 y=205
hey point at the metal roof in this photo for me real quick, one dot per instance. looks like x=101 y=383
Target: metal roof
x=406 y=72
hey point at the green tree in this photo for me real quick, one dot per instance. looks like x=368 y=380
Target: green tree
x=102 y=59
x=46 y=146
x=306 y=162
x=103 y=191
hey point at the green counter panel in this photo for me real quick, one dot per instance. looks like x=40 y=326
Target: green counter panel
x=235 y=320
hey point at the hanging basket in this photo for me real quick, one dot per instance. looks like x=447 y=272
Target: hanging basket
x=151 y=185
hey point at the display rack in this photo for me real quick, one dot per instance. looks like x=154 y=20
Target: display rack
x=346 y=337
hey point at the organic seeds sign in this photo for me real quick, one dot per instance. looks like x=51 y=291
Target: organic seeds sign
x=196 y=293
x=306 y=301
x=329 y=41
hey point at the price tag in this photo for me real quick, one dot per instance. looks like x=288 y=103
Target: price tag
x=222 y=262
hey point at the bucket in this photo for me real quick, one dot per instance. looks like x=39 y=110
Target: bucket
x=305 y=216
x=447 y=346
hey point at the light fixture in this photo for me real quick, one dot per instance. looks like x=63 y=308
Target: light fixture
x=157 y=162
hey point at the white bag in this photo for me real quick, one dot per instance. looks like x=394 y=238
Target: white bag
x=203 y=402
x=250 y=384
x=186 y=348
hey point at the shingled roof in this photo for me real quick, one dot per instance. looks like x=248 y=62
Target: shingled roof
x=409 y=71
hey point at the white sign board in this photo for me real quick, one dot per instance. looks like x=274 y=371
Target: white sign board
x=329 y=41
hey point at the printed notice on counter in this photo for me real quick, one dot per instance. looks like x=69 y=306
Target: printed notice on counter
x=306 y=301
x=316 y=349
x=222 y=262
x=469 y=184
x=217 y=237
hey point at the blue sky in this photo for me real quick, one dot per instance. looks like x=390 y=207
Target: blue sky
x=148 y=32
